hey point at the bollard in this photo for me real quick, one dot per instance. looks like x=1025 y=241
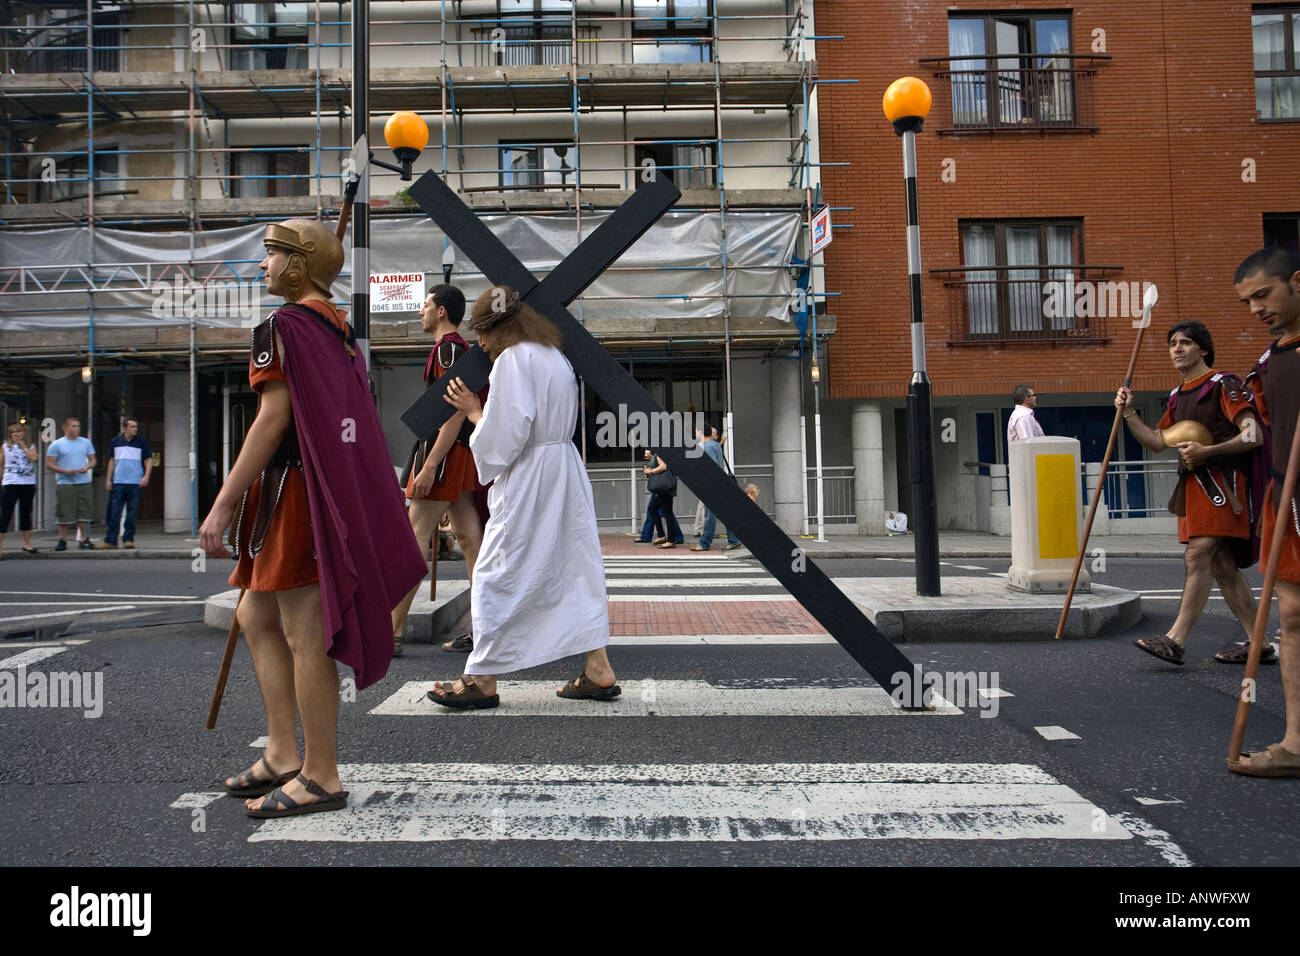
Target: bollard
x=1046 y=515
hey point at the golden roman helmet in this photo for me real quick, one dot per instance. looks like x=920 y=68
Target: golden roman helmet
x=321 y=252
x=1186 y=431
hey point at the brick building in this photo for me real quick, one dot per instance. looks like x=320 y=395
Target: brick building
x=1101 y=142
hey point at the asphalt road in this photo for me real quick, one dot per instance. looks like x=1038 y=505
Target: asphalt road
x=1141 y=754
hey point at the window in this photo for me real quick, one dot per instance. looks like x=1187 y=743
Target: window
x=1274 y=34
x=1011 y=70
x=1282 y=229
x=71 y=177
x=269 y=36
x=672 y=31
x=535 y=164
x=1008 y=298
x=688 y=165
x=55 y=42
x=268 y=171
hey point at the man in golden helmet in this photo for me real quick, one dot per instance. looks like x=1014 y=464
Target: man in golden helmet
x=1211 y=421
x=301 y=252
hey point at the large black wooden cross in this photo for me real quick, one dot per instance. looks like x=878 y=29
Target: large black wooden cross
x=719 y=492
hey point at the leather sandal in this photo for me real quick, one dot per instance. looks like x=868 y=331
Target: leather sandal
x=470 y=698
x=1161 y=647
x=583 y=687
x=248 y=785
x=286 y=806
x=461 y=645
x=1274 y=761
x=1238 y=651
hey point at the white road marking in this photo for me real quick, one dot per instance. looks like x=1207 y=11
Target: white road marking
x=1155 y=838
x=995 y=692
x=665 y=698
x=29 y=657
x=1153 y=802
x=110 y=606
x=84 y=610
x=70 y=642
x=261 y=743
x=194 y=801
x=110 y=596
x=631 y=640
x=751 y=582
x=1056 y=733
x=710 y=598
x=971 y=567
x=699 y=803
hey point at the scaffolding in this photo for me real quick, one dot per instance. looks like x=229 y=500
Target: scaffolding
x=189 y=116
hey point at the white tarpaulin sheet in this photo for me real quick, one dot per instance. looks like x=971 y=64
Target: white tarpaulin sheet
x=146 y=278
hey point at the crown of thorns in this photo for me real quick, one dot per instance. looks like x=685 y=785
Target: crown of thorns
x=493 y=318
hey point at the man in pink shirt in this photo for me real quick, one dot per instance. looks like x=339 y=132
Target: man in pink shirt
x=1023 y=424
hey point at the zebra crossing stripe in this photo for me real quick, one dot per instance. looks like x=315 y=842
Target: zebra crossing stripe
x=754 y=582
x=666 y=698
x=641 y=803
x=29 y=657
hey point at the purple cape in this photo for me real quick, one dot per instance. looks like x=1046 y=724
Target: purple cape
x=366 y=554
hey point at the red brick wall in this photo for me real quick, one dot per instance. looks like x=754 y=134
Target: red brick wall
x=1159 y=190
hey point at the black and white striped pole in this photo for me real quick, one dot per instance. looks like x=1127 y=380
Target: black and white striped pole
x=907 y=103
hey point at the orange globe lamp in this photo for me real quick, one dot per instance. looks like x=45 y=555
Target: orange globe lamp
x=406 y=135
x=907 y=103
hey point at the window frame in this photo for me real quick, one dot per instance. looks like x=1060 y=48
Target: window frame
x=1025 y=19
x=672 y=29
x=280 y=38
x=538 y=145
x=1290 y=14
x=1002 y=268
x=649 y=149
x=275 y=186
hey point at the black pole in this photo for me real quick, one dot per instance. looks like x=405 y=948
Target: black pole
x=361 y=209
x=919 y=436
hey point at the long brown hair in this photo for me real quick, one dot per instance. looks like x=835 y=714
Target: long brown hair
x=507 y=320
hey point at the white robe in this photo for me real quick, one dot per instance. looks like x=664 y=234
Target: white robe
x=539 y=581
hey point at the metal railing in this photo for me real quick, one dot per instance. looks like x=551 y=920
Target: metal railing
x=837 y=484
x=1006 y=96
x=534 y=44
x=1001 y=304
x=1133 y=489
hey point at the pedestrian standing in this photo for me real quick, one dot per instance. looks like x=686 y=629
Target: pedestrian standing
x=1022 y=423
x=539 y=583
x=324 y=550
x=72 y=459
x=707 y=436
x=130 y=462
x=19 y=457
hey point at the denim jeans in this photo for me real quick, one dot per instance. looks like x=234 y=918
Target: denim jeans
x=128 y=495
x=653 y=522
x=711 y=528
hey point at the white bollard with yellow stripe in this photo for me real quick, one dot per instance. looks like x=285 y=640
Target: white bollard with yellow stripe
x=1046 y=514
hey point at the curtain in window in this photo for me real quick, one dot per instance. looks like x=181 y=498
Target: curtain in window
x=969 y=99
x=979 y=249
x=1060 y=252
x=1024 y=291
x=1269 y=37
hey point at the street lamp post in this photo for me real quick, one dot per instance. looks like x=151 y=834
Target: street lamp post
x=906 y=104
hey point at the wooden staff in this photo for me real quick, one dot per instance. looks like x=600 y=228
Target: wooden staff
x=345 y=214
x=1148 y=302
x=1265 y=600
x=220 y=691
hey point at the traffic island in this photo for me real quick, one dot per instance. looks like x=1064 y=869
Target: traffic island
x=425 y=624
x=987 y=609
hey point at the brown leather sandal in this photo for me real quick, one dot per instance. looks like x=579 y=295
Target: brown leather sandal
x=583 y=687
x=247 y=785
x=470 y=698
x=282 y=805
x=1161 y=647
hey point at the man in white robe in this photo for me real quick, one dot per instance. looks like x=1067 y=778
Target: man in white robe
x=539 y=581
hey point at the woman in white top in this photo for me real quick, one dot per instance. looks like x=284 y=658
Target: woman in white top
x=18 y=460
x=539 y=581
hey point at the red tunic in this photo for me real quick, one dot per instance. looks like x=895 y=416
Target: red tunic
x=459 y=475
x=288 y=558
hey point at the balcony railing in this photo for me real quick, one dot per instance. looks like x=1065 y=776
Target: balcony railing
x=1066 y=303
x=534 y=44
x=63 y=50
x=1010 y=96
